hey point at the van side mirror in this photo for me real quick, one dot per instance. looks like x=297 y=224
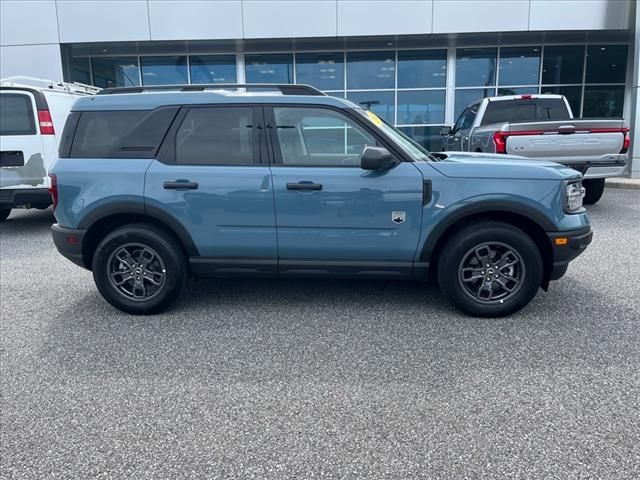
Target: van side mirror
x=376 y=158
x=444 y=131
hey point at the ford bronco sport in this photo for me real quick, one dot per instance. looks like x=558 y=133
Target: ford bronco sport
x=154 y=185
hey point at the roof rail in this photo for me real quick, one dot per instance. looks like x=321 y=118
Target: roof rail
x=33 y=82
x=285 y=89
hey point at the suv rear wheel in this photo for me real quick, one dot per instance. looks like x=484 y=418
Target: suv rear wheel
x=140 y=269
x=594 y=188
x=490 y=269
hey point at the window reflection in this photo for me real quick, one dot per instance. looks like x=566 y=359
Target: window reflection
x=428 y=137
x=519 y=66
x=324 y=71
x=80 y=71
x=419 y=107
x=213 y=68
x=467 y=96
x=269 y=68
x=380 y=103
x=606 y=63
x=573 y=95
x=564 y=64
x=164 y=70
x=476 y=67
x=422 y=68
x=115 y=72
x=603 y=101
x=371 y=70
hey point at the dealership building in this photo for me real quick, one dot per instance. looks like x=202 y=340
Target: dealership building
x=416 y=63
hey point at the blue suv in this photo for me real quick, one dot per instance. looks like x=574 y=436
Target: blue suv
x=156 y=185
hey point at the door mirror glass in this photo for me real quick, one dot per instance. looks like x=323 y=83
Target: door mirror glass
x=376 y=158
x=445 y=131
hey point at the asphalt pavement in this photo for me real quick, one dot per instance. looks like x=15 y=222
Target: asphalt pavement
x=320 y=379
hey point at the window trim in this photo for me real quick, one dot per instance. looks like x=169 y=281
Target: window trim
x=167 y=152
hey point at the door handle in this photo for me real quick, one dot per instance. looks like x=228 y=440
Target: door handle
x=304 y=186
x=181 y=185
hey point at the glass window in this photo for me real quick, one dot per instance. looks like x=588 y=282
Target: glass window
x=467 y=96
x=519 y=66
x=476 y=67
x=324 y=71
x=603 y=101
x=164 y=70
x=573 y=94
x=371 y=70
x=320 y=137
x=380 y=103
x=80 y=70
x=99 y=133
x=216 y=136
x=213 y=68
x=269 y=68
x=526 y=110
x=16 y=115
x=422 y=68
x=563 y=64
x=420 y=106
x=606 y=63
x=115 y=72
x=517 y=91
x=466 y=119
x=428 y=137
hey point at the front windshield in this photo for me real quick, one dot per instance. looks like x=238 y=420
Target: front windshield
x=413 y=148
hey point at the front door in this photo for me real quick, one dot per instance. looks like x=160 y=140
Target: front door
x=211 y=180
x=332 y=216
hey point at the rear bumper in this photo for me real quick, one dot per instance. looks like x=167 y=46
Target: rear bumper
x=576 y=243
x=603 y=168
x=24 y=197
x=68 y=241
x=604 y=172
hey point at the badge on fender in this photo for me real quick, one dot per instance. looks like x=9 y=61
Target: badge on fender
x=398 y=217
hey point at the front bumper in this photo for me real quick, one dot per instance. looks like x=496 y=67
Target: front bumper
x=68 y=241
x=566 y=246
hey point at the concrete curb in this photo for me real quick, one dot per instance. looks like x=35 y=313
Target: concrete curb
x=621 y=182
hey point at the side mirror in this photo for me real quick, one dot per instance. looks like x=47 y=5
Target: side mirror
x=376 y=158
x=444 y=131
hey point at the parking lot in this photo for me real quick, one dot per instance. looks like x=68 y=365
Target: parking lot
x=326 y=379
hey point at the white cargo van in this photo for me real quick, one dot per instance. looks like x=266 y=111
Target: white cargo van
x=32 y=115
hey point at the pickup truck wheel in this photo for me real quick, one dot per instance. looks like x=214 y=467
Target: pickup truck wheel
x=140 y=269
x=490 y=269
x=594 y=188
x=4 y=214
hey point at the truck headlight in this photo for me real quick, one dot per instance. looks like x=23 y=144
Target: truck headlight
x=573 y=197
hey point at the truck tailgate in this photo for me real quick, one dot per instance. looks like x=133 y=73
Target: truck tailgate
x=573 y=141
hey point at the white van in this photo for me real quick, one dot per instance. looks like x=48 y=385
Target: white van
x=32 y=115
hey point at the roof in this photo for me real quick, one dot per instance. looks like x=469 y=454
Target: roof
x=150 y=100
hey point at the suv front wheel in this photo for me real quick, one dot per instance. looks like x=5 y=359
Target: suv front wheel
x=140 y=269
x=490 y=269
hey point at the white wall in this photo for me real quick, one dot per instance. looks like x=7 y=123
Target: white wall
x=42 y=61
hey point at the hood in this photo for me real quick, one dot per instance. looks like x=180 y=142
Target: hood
x=491 y=165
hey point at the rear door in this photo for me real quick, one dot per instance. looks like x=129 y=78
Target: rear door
x=21 y=158
x=210 y=178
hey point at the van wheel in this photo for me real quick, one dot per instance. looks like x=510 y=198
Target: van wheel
x=139 y=269
x=4 y=214
x=594 y=188
x=490 y=269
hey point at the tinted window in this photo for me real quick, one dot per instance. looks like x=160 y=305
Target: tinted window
x=100 y=133
x=606 y=63
x=216 y=136
x=519 y=66
x=16 y=115
x=573 y=95
x=164 y=70
x=269 y=68
x=115 y=71
x=525 y=111
x=475 y=67
x=602 y=101
x=79 y=70
x=465 y=97
x=380 y=103
x=420 y=106
x=563 y=64
x=428 y=137
x=321 y=70
x=418 y=68
x=321 y=137
x=213 y=68
x=371 y=70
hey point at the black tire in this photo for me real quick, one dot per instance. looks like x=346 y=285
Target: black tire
x=4 y=214
x=460 y=249
x=169 y=268
x=594 y=188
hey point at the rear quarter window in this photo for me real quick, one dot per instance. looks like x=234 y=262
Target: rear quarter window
x=121 y=134
x=525 y=110
x=16 y=115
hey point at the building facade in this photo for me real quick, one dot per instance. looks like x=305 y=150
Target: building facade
x=417 y=63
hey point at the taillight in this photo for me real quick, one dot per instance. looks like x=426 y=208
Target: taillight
x=53 y=189
x=46 y=124
x=500 y=139
x=526 y=97
x=627 y=141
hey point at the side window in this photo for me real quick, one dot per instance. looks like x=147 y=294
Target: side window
x=319 y=137
x=16 y=115
x=216 y=136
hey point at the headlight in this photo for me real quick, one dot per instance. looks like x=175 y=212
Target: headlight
x=574 y=196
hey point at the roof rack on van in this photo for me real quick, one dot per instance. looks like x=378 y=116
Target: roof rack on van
x=285 y=89
x=41 y=83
